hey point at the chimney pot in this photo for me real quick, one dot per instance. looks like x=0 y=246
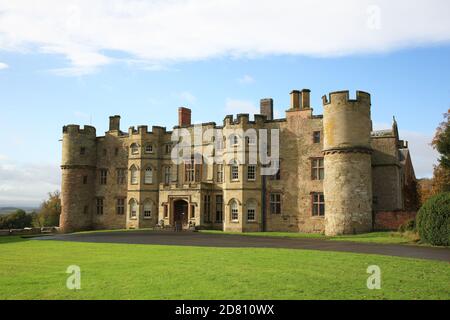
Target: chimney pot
x=295 y=99
x=114 y=123
x=306 y=100
x=184 y=117
x=266 y=108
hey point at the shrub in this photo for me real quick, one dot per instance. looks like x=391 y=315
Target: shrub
x=409 y=225
x=433 y=220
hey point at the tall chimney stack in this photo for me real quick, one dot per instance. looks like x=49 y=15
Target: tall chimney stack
x=306 y=100
x=266 y=108
x=114 y=123
x=295 y=99
x=184 y=117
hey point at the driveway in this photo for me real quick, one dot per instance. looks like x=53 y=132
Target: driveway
x=238 y=241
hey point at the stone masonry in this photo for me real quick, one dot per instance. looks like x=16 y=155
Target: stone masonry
x=335 y=172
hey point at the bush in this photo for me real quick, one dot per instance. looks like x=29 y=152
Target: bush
x=433 y=220
x=17 y=220
x=409 y=225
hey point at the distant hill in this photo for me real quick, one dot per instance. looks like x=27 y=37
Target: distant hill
x=6 y=210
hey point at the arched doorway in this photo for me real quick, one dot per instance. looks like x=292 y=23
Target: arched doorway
x=180 y=213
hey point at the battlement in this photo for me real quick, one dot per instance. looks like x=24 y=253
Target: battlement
x=344 y=97
x=142 y=130
x=75 y=129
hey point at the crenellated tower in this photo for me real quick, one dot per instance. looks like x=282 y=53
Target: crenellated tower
x=348 y=170
x=78 y=177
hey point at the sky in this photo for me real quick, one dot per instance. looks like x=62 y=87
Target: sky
x=64 y=62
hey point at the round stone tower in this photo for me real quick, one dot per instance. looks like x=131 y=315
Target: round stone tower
x=78 y=177
x=348 y=163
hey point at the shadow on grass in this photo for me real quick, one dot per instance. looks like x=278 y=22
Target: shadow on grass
x=12 y=239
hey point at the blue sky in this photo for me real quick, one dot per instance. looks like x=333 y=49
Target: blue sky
x=47 y=81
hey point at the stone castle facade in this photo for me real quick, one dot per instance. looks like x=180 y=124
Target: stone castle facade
x=335 y=173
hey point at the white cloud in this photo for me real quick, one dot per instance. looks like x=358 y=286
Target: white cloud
x=3 y=66
x=160 y=32
x=235 y=106
x=188 y=97
x=246 y=79
x=27 y=184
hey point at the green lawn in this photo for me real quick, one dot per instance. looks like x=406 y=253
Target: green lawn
x=373 y=237
x=33 y=269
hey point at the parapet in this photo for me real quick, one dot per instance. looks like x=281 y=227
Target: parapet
x=260 y=118
x=228 y=120
x=344 y=97
x=242 y=118
x=75 y=129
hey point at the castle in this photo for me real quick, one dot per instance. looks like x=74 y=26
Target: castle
x=334 y=173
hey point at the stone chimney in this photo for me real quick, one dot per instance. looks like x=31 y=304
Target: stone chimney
x=306 y=100
x=114 y=123
x=266 y=108
x=184 y=117
x=295 y=99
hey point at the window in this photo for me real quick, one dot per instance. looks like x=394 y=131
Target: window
x=166 y=175
x=318 y=204
x=234 y=171
x=86 y=210
x=192 y=211
x=235 y=140
x=251 y=211
x=276 y=176
x=234 y=211
x=275 y=203
x=148 y=177
x=82 y=151
x=116 y=152
x=168 y=148
x=220 y=173
x=99 y=206
x=85 y=179
x=219 y=208
x=166 y=211
x=147 y=210
x=189 y=171
x=134 y=175
x=251 y=173
x=207 y=208
x=251 y=141
x=120 y=206
x=103 y=176
x=133 y=209
x=121 y=176
x=192 y=171
x=316 y=136
x=149 y=148
x=317 y=169
x=134 y=149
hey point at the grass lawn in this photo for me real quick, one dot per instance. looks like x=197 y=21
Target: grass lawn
x=373 y=237
x=35 y=269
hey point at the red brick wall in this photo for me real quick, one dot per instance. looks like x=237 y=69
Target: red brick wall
x=391 y=220
x=184 y=117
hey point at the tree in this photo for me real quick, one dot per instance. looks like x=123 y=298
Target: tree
x=50 y=211
x=16 y=220
x=441 y=141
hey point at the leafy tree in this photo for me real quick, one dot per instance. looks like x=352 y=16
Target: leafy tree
x=50 y=211
x=16 y=220
x=441 y=141
x=433 y=220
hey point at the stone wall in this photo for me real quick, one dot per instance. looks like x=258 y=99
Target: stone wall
x=392 y=220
